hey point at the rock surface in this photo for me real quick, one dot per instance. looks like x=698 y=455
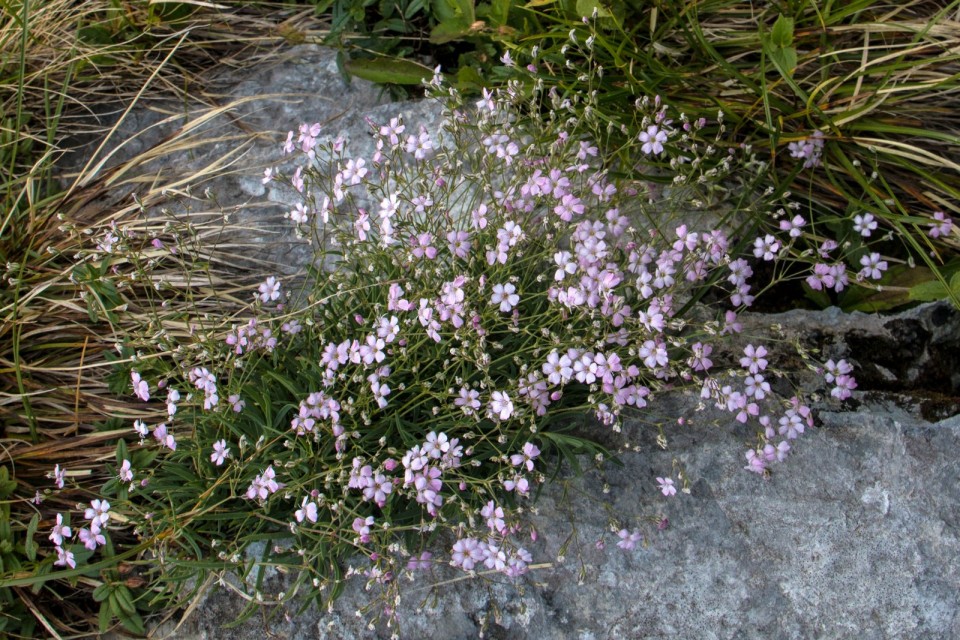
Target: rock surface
x=856 y=536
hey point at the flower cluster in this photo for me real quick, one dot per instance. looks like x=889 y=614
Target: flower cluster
x=809 y=150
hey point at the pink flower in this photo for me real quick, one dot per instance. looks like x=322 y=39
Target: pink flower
x=501 y=407
x=92 y=537
x=421 y=563
x=140 y=387
x=65 y=558
x=505 y=296
x=530 y=451
x=459 y=244
x=362 y=527
x=942 y=225
x=269 y=290
x=126 y=474
x=58 y=476
x=628 y=539
x=666 y=486
x=99 y=512
x=652 y=139
x=164 y=437
x=220 y=452
x=753 y=359
x=864 y=224
x=60 y=531
x=755 y=463
x=263 y=485
x=307 y=511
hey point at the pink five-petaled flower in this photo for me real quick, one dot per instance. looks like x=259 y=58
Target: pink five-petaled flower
x=362 y=527
x=92 y=537
x=58 y=476
x=164 y=437
x=459 y=244
x=60 y=531
x=140 y=387
x=264 y=485
x=495 y=517
x=873 y=267
x=864 y=224
x=628 y=539
x=126 y=473
x=845 y=384
x=941 y=226
x=220 y=452
x=755 y=463
x=530 y=451
x=501 y=407
x=65 y=558
x=269 y=290
x=666 y=486
x=307 y=510
x=833 y=370
x=652 y=139
x=98 y=511
x=753 y=359
x=505 y=296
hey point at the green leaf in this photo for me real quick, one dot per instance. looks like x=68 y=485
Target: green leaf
x=30 y=545
x=935 y=290
x=449 y=32
x=105 y=617
x=7 y=486
x=461 y=12
x=585 y=9
x=102 y=592
x=785 y=59
x=782 y=34
x=388 y=70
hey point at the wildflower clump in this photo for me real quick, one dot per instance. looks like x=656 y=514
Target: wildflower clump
x=475 y=287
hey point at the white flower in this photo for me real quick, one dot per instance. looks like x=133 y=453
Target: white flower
x=505 y=296
x=501 y=407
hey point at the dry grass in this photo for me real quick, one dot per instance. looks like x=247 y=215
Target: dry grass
x=73 y=61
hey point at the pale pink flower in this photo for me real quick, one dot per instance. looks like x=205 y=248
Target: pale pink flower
x=59 y=476
x=220 y=452
x=530 y=452
x=140 y=387
x=92 y=537
x=628 y=539
x=501 y=407
x=666 y=486
x=942 y=225
x=307 y=511
x=652 y=138
x=269 y=290
x=126 y=474
x=65 y=558
x=98 y=511
x=505 y=296
x=60 y=531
